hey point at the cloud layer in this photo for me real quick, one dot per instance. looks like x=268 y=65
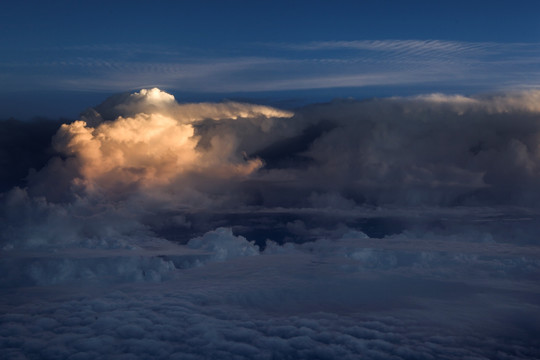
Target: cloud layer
x=385 y=228
x=310 y=302
x=177 y=170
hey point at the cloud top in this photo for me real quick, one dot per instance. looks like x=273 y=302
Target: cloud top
x=142 y=165
x=151 y=140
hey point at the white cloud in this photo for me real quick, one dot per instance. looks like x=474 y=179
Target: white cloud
x=154 y=142
x=448 y=183
x=518 y=101
x=139 y=161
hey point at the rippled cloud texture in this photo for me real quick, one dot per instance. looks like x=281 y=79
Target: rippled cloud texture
x=277 y=66
x=385 y=228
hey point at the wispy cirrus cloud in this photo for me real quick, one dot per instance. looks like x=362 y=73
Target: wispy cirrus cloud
x=279 y=67
x=405 y=46
x=417 y=48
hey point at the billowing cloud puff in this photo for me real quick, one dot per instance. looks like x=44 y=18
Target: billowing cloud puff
x=146 y=149
x=524 y=101
x=180 y=170
x=153 y=142
x=135 y=156
x=224 y=245
x=152 y=101
x=433 y=149
x=345 y=230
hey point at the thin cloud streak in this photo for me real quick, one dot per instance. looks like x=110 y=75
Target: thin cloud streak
x=412 y=47
x=281 y=67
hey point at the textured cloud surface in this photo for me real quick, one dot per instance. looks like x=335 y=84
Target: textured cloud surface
x=390 y=228
x=449 y=145
x=152 y=142
x=162 y=168
x=331 y=301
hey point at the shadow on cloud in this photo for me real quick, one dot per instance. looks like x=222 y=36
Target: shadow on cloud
x=145 y=164
x=386 y=228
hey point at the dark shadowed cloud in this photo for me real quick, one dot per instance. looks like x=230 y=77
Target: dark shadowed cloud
x=400 y=228
x=24 y=146
x=257 y=167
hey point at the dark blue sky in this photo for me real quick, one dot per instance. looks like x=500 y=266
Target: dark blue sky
x=60 y=57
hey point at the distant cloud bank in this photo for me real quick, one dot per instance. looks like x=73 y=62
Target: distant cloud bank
x=141 y=154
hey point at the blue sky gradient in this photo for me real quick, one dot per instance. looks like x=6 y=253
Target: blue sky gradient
x=279 y=53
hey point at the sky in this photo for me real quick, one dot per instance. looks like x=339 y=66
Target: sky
x=269 y=180
x=283 y=53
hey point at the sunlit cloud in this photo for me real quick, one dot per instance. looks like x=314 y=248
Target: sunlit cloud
x=155 y=143
x=143 y=153
x=343 y=229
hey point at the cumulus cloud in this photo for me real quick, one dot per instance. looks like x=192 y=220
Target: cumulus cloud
x=146 y=149
x=524 y=101
x=152 y=142
x=177 y=171
x=385 y=228
x=142 y=165
x=436 y=148
x=158 y=101
x=223 y=245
